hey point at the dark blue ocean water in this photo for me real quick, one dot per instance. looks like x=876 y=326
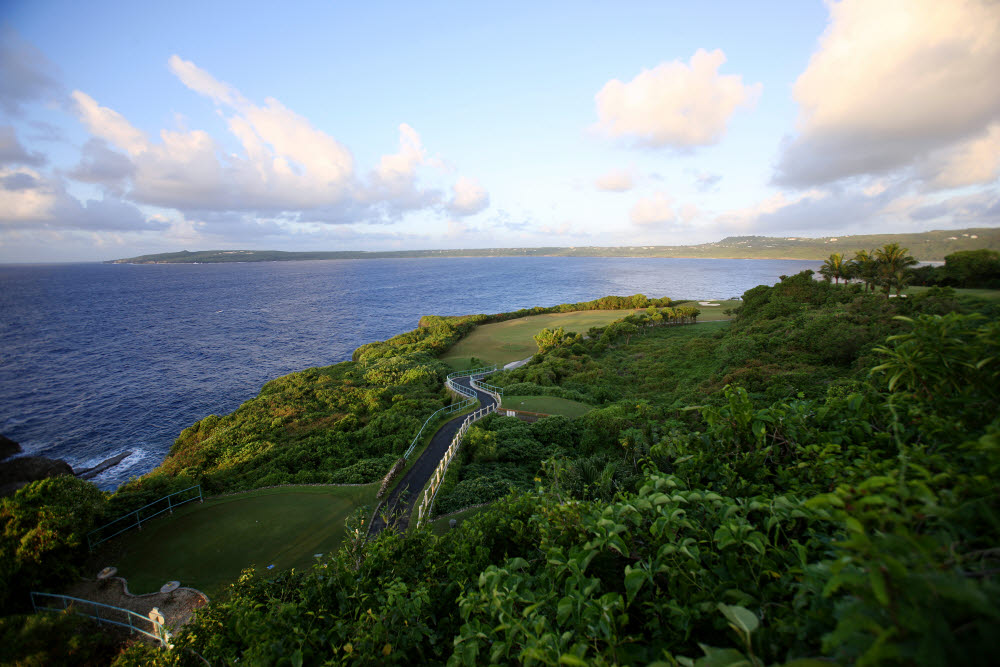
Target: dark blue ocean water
x=97 y=359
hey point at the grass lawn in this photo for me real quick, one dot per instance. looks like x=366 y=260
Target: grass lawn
x=206 y=546
x=504 y=342
x=549 y=405
x=712 y=313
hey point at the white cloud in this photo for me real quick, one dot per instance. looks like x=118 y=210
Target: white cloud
x=204 y=83
x=688 y=212
x=655 y=210
x=402 y=166
x=891 y=81
x=109 y=124
x=99 y=164
x=797 y=213
x=973 y=162
x=393 y=186
x=286 y=166
x=675 y=104
x=30 y=200
x=24 y=196
x=469 y=197
x=616 y=180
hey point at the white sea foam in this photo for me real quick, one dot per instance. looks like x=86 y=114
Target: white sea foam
x=135 y=464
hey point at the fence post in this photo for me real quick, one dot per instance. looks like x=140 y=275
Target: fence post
x=170 y=505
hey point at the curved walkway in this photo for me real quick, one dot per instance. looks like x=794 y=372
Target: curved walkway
x=399 y=504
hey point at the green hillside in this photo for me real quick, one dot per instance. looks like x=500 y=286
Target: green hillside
x=925 y=246
x=813 y=482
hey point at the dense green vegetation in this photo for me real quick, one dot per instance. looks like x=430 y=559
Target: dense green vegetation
x=927 y=246
x=815 y=479
x=342 y=424
x=855 y=522
x=40 y=640
x=44 y=536
x=799 y=338
x=967 y=269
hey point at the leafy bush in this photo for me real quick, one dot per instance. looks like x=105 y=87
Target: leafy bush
x=39 y=640
x=44 y=535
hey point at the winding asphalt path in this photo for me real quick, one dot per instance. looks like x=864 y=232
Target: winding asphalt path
x=400 y=502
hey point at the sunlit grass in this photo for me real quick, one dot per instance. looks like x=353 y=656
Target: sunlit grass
x=504 y=342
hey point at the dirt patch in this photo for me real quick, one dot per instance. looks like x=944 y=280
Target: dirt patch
x=177 y=607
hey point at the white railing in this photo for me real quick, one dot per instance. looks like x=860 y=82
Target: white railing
x=470 y=400
x=430 y=493
x=494 y=391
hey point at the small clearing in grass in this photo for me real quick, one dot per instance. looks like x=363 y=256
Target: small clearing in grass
x=549 y=405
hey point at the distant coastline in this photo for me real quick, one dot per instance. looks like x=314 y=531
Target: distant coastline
x=925 y=246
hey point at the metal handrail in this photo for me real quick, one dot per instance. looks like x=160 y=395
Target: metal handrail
x=138 y=520
x=430 y=493
x=159 y=633
x=455 y=407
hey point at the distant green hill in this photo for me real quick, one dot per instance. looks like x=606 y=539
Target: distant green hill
x=925 y=246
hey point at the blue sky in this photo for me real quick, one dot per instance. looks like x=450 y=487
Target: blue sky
x=128 y=128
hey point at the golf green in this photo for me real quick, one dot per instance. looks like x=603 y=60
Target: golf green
x=504 y=342
x=207 y=546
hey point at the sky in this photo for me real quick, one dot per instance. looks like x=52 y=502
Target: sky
x=129 y=128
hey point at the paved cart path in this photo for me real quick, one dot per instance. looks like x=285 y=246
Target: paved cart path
x=400 y=502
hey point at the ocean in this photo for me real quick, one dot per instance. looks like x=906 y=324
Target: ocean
x=97 y=359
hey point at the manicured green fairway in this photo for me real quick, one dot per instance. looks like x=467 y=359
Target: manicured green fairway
x=207 y=546
x=711 y=313
x=550 y=405
x=504 y=342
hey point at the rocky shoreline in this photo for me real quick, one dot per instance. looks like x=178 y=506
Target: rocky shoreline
x=17 y=472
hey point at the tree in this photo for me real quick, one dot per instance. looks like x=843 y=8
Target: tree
x=863 y=267
x=626 y=329
x=972 y=268
x=549 y=338
x=892 y=262
x=834 y=267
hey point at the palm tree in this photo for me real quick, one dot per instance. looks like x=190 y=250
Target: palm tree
x=892 y=262
x=834 y=267
x=863 y=267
